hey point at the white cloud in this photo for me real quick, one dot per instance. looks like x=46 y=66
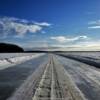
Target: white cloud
x=79 y=46
x=22 y=29
x=43 y=24
x=94 y=24
x=9 y=25
x=63 y=39
x=59 y=38
x=94 y=27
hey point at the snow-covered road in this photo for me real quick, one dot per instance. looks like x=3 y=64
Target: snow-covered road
x=49 y=77
x=86 y=77
x=13 y=76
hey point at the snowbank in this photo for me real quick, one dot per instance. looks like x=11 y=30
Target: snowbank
x=7 y=62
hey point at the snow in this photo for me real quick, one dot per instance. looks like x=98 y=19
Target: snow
x=3 y=62
x=13 y=59
x=91 y=54
x=77 y=69
x=85 y=76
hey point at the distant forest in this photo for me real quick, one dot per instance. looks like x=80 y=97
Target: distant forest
x=8 y=48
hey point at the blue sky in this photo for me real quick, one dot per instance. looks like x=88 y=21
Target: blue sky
x=70 y=24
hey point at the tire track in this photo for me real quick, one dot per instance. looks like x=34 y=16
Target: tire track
x=56 y=84
x=86 y=77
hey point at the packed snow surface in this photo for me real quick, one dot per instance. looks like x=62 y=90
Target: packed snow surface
x=10 y=59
